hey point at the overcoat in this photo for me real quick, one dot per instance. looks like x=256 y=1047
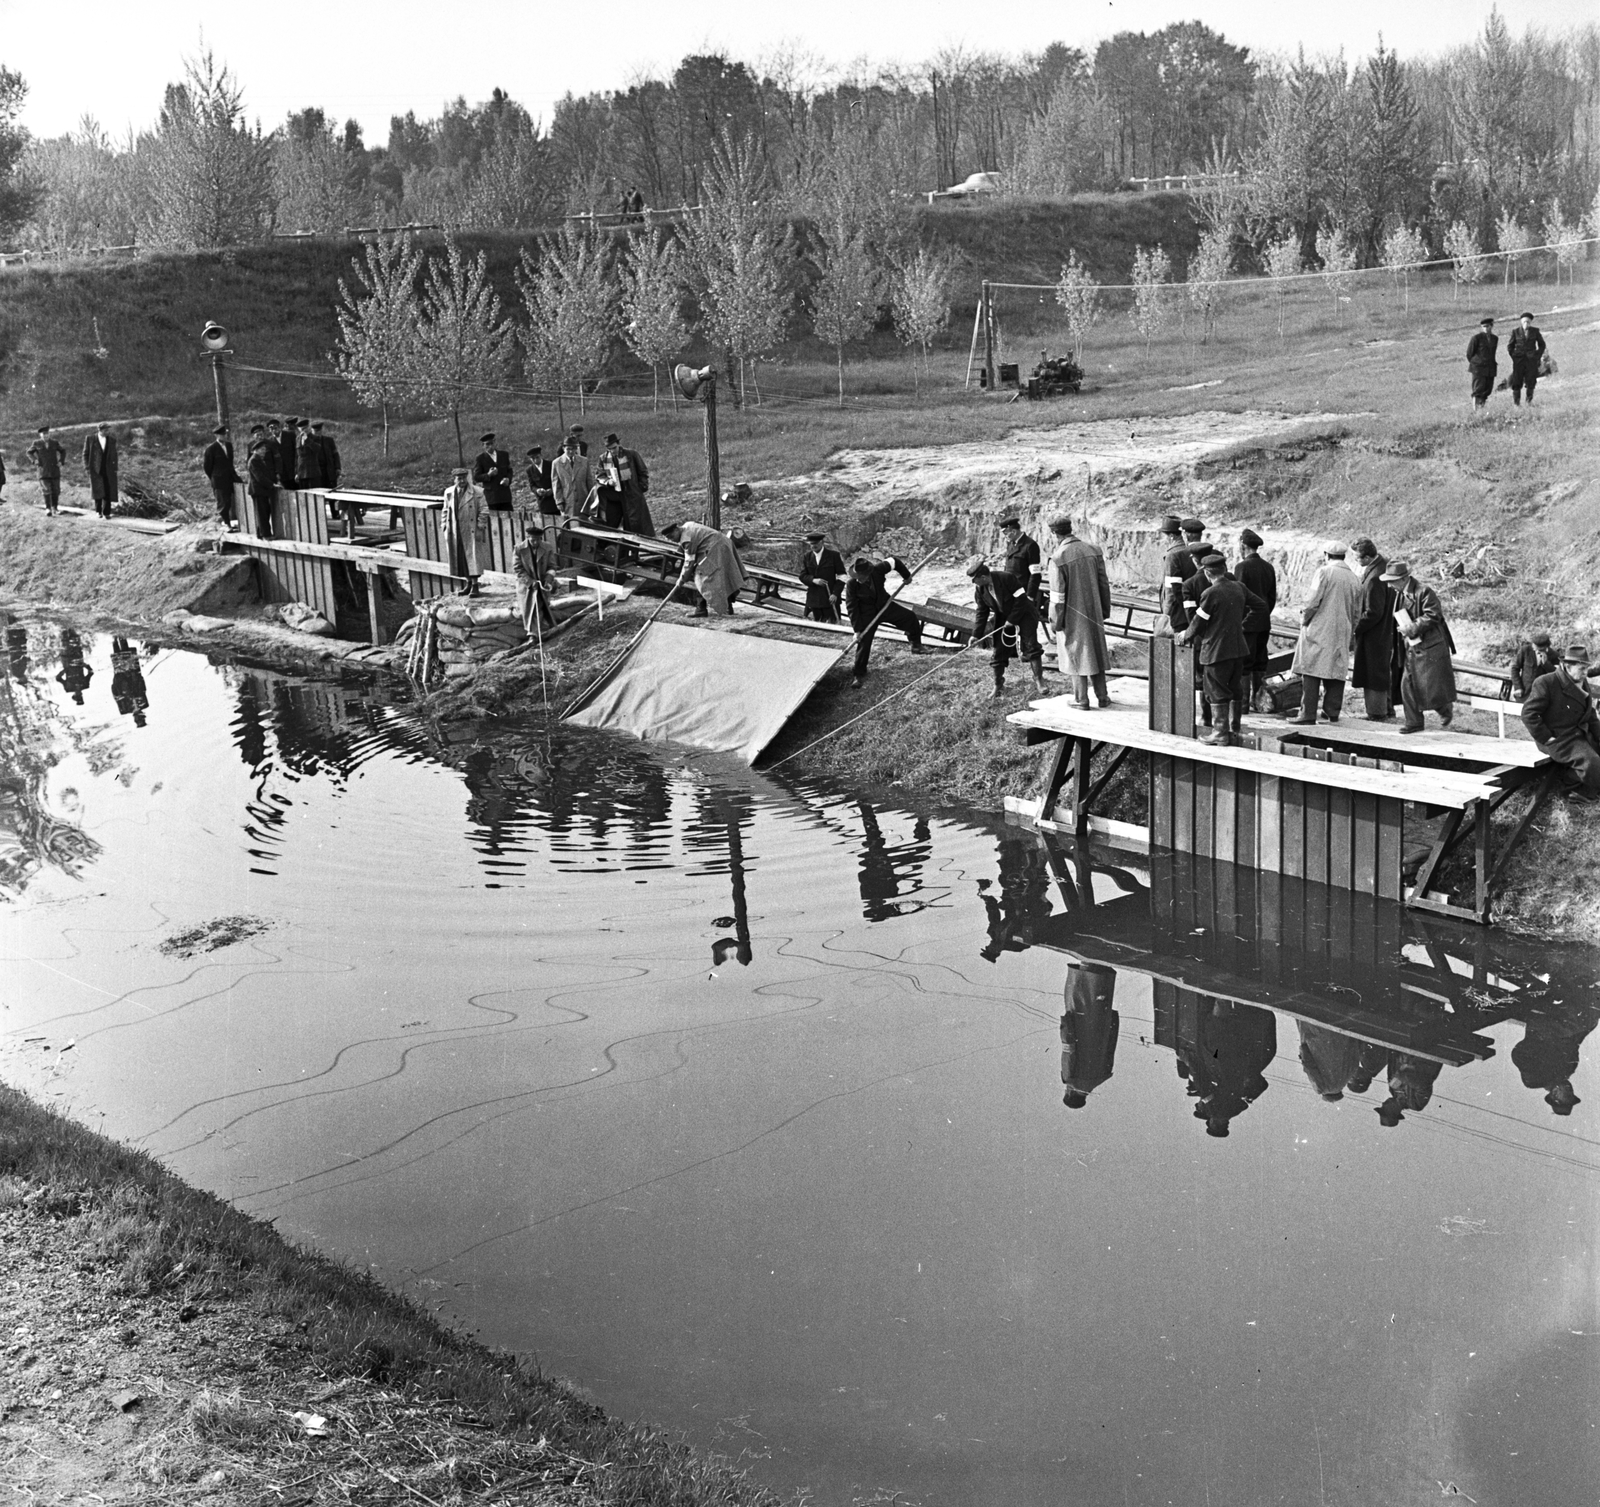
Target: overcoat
x=466 y=530
x=823 y=575
x=1374 y=630
x=1080 y=598
x=1329 y=618
x=1088 y=1027
x=101 y=464
x=717 y=573
x=1427 y=657
x=1020 y=560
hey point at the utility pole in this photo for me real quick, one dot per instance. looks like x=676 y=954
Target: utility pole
x=988 y=337
x=215 y=340
x=713 y=458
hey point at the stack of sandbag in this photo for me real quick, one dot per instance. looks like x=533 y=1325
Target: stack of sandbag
x=469 y=632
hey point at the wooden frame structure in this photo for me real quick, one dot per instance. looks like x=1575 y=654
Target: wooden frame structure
x=1325 y=804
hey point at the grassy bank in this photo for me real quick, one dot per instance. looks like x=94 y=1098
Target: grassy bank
x=163 y=1347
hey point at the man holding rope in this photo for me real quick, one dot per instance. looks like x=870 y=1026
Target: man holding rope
x=868 y=604
x=1002 y=597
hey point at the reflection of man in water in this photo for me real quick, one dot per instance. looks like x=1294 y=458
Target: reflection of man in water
x=881 y=868
x=1088 y=1031
x=1411 y=1082
x=127 y=681
x=1332 y=1061
x=1224 y=1064
x=1024 y=897
x=1547 y=1055
x=74 y=675
x=17 y=651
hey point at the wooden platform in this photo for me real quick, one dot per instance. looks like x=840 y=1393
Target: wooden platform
x=1326 y=803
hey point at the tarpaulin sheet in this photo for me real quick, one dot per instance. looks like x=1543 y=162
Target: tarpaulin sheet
x=726 y=691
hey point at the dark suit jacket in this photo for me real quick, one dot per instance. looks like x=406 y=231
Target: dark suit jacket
x=1257 y=575
x=1481 y=349
x=101 y=464
x=826 y=570
x=1525 y=347
x=288 y=459
x=308 y=465
x=217 y=463
x=491 y=470
x=1557 y=709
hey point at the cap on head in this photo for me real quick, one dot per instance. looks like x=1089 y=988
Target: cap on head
x=44 y=429
x=1250 y=538
x=1398 y=571
x=1171 y=525
x=1486 y=320
x=1015 y=523
x=1524 y=315
x=574 y=428
x=220 y=429
x=1193 y=526
x=612 y=439
x=1333 y=550
x=1215 y=563
x=1389 y=1113
x=816 y=536
x=316 y=423
x=459 y=471
x=1541 y=638
x=536 y=450
x=486 y=439
x=254 y=428
x=977 y=569
x=1575 y=654
x=291 y=422
x=1073 y=1099
x=302 y=424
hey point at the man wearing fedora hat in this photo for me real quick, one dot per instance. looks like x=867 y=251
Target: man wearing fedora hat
x=1547 y=1055
x=1428 y=682
x=1328 y=624
x=1534 y=658
x=1561 y=718
x=1525 y=347
x=1480 y=361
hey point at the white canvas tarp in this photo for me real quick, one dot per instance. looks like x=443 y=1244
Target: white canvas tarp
x=726 y=691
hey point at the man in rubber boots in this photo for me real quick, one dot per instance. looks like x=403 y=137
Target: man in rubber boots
x=1003 y=605
x=1218 y=627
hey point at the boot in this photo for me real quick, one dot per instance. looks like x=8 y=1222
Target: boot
x=1216 y=733
x=999 y=686
x=1102 y=695
x=1080 y=693
x=1238 y=716
x=1037 y=666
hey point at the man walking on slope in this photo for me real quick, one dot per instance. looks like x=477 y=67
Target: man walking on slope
x=1218 y=625
x=47 y=455
x=1481 y=362
x=1561 y=718
x=1328 y=619
x=1526 y=350
x=1080 y=598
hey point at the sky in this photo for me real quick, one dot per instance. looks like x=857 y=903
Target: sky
x=384 y=57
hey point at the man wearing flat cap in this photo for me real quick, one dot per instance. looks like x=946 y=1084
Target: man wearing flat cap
x=1257 y=575
x=1328 y=621
x=1428 y=681
x=217 y=463
x=1481 y=361
x=1217 y=625
x=1004 y=607
x=1080 y=598
x=491 y=470
x=822 y=571
x=1176 y=568
x=1561 y=718
x=288 y=453
x=1525 y=347
x=308 y=459
x=1023 y=559
x=47 y=453
x=1534 y=658
x=543 y=489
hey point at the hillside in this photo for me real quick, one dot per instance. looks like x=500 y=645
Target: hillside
x=278 y=300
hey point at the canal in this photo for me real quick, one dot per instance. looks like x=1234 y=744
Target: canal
x=887 y=1153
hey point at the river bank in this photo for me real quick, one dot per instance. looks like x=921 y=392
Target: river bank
x=162 y=1347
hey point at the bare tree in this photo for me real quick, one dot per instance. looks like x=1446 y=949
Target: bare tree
x=652 y=306
x=1152 y=274
x=1079 y=296
x=844 y=303
x=1514 y=239
x=379 y=324
x=920 y=299
x=571 y=303
x=208 y=179
x=1209 y=269
x=463 y=341
x=1466 y=256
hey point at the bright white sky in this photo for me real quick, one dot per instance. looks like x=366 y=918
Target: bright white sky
x=384 y=57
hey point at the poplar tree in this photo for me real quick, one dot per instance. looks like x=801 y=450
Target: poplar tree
x=652 y=306
x=844 y=303
x=1403 y=249
x=463 y=341
x=571 y=303
x=1514 y=240
x=1079 y=296
x=1283 y=263
x=920 y=300
x=1152 y=309
x=1338 y=259
x=1208 y=271
x=379 y=324
x=1466 y=260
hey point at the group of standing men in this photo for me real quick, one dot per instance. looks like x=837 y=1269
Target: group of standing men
x=294 y=454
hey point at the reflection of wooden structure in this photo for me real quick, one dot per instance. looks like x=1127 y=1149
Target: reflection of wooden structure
x=1321 y=802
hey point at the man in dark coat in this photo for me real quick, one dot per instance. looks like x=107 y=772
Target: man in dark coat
x=1534 y=658
x=1226 y=1065
x=626 y=468
x=822 y=571
x=1023 y=558
x=1374 y=656
x=289 y=453
x=543 y=489
x=127 y=679
x=308 y=459
x=491 y=470
x=1089 y=1028
x=1525 y=347
x=261 y=482
x=1218 y=626
x=1176 y=568
x=575 y=431
x=217 y=463
x=74 y=675
x=1257 y=575
x=332 y=465
x=867 y=601
x=1428 y=681
x=1547 y=1055
x=100 y=461
x=48 y=453
x=1561 y=718
x=1481 y=361
x=1004 y=605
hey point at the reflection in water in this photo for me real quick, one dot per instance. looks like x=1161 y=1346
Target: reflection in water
x=884 y=868
x=127 y=682
x=1088 y=1031
x=1224 y=1049
x=1547 y=1055
x=74 y=675
x=1024 y=896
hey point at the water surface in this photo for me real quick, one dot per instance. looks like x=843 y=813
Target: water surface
x=741 y=1103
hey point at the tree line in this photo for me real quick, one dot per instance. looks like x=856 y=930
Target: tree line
x=1505 y=127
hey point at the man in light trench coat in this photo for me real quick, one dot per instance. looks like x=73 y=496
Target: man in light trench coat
x=1328 y=624
x=1080 y=598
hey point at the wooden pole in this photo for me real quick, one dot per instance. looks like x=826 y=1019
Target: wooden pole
x=221 y=384
x=988 y=337
x=713 y=458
